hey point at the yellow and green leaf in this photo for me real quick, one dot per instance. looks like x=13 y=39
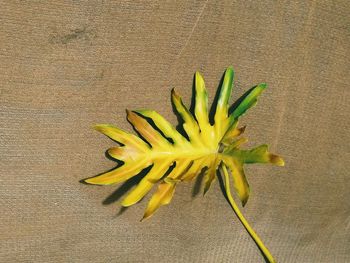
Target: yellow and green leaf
x=172 y=157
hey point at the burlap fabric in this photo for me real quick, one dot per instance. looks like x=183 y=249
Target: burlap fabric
x=66 y=65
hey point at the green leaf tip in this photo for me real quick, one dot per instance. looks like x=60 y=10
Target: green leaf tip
x=249 y=101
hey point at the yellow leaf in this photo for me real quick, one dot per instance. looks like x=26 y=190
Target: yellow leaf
x=174 y=157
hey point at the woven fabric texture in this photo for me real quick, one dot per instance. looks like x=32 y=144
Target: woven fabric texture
x=67 y=65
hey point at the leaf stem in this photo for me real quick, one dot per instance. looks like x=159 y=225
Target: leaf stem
x=250 y=230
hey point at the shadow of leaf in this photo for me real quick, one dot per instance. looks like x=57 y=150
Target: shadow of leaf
x=198 y=183
x=125 y=187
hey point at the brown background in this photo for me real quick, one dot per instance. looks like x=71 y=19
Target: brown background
x=66 y=65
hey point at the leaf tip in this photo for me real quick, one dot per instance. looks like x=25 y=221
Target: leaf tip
x=206 y=189
x=90 y=181
x=99 y=127
x=263 y=85
x=145 y=216
x=242 y=129
x=275 y=159
x=86 y=181
x=126 y=203
x=230 y=70
x=198 y=75
x=174 y=94
x=131 y=115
